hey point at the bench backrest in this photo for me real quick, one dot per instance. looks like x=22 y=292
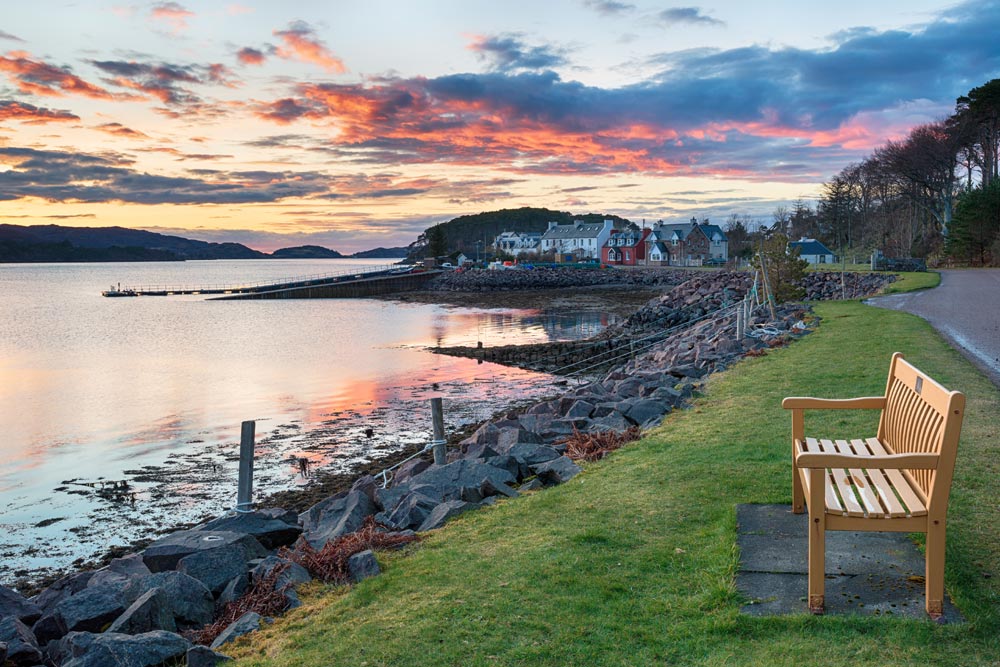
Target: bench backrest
x=921 y=416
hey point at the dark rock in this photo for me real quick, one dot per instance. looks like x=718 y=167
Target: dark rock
x=61 y=589
x=272 y=528
x=293 y=574
x=216 y=567
x=389 y=499
x=202 y=656
x=164 y=554
x=490 y=488
x=452 y=478
x=90 y=610
x=615 y=421
x=326 y=521
x=22 y=647
x=513 y=435
x=534 y=423
x=411 y=511
x=629 y=387
x=508 y=463
x=581 y=409
x=532 y=484
x=362 y=566
x=245 y=624
x=150 y=649
x=3 y=652
x=367 y=485
x=556 y=471
x=190 y=600
x=532 y=454
x=73 y=645
x=235 y=589
x=119 y=571
x=442 y=513
x=150 y=611
x=14 y=604
x=480 y=451
x=408 y=470
x=647 y=411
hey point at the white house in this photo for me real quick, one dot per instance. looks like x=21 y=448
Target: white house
x=813 y=251
x=516 y=243
x=581 y=239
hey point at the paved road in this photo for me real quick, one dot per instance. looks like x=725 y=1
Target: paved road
x=965 y=308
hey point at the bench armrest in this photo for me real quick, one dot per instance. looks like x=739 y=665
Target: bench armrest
x=803 y=403
x=883 y=461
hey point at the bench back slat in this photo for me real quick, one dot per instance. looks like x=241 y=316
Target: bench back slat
x=916 y=420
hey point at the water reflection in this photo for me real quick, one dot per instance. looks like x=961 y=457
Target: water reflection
x=154 y=390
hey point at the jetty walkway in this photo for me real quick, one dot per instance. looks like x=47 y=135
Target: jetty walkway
x=352 y=283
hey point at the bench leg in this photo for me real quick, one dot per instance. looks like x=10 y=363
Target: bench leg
x=798 y=496
x=817 y=540
x=934 y=569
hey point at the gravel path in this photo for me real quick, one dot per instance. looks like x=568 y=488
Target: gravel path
x=965 y=308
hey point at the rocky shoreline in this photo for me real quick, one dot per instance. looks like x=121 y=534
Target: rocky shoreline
x=155 y=605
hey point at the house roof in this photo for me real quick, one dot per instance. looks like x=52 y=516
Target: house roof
x=577 y=230
x=810 y=247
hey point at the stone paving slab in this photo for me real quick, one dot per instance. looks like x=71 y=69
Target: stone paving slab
x=871 y=574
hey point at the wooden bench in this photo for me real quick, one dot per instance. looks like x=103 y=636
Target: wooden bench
x=897 y=481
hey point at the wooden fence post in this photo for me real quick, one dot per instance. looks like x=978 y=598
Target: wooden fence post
x=437 y=415
x=244 y=494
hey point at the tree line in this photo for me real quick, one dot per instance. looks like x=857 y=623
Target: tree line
x=934 y=193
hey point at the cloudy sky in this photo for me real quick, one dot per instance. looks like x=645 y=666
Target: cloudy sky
x=358 y=124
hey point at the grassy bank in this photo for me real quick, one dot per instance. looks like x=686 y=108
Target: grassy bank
x=632 y=562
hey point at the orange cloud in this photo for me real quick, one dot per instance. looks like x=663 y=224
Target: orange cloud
x=300 y=43
x=29 y=113
x=39 y=78
x=173 y=14
x=120 y=130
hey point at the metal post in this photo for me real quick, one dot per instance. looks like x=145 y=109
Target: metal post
x=739 y=322
x=245 y=485
x=437 y=415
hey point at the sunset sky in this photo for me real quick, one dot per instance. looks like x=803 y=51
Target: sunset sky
x=358 y=124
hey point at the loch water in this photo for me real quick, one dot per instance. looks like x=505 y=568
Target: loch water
x=120 y=417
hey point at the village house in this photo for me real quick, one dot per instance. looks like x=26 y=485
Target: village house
x=517 y=243
x=581 y=240
x=625 y=248
x=812 y=251
x=687 y=244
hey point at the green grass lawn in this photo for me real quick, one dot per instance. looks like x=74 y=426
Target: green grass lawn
x=632 y=562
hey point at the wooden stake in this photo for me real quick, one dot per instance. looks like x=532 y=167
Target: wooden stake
x=244 y=492
x=437 y=416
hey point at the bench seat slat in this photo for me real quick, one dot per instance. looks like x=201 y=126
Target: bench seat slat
x=860 y=483
x=832 y=501
x=843 y=483
x=882 y=486
x=913 y=504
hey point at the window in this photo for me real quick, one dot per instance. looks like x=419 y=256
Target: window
x=628 y=255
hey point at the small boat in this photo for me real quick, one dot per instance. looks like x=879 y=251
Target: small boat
x=118 y=291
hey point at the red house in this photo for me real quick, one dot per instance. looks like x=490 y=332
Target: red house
x=625 y=248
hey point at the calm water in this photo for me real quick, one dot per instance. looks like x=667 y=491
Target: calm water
x=152 y=390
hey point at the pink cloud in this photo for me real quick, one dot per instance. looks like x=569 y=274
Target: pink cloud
x=251 y=56
x=173 y=14
x=300 y=43
x=40 y=78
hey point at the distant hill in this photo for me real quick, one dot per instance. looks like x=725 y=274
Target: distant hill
x=52 y=239
x=19 y=251
x=463 y=232
x=306 y=252
x=379 y=253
